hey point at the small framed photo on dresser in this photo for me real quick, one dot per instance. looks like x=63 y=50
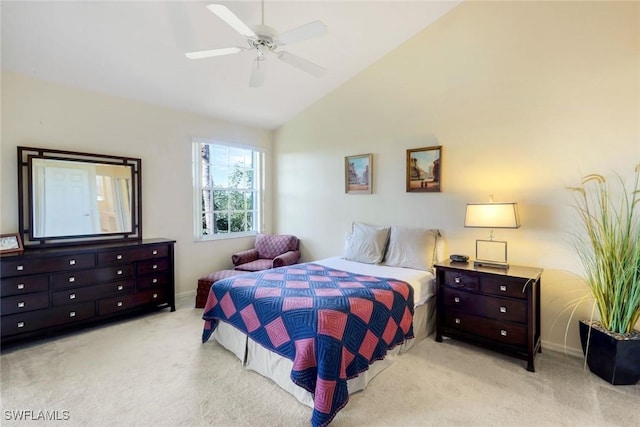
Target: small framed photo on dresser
x=10 y=243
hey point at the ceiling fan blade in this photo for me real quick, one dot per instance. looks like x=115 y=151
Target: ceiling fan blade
x=231 y=19
x=304 y=32
x=258 y=72
x=213 y=52
x=302 y=64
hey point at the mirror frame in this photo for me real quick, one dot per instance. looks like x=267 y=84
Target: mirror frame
x=25 y=196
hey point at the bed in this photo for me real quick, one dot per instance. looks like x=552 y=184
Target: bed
x=364 y=314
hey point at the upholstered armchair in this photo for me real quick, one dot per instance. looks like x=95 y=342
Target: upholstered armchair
x=270 y=251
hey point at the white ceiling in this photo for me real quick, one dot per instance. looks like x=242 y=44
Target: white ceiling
x=136 y=50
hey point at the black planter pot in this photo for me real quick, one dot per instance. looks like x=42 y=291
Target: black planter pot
x=614 y=360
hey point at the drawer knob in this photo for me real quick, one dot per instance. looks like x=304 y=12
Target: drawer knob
x=503 y=332
x=119 y=272
x=118 y=256
x=155 y=296
x=72 y=314
x=457 y=321
x=457 y=280
x=119 y=304
x=154 y=280
x=503 y=288
x=154 y=266
x=72 y=262
x=72 y=296
x=19 y=267
x=456 y=299
x=503 y=309
x=72 y=279
x=120 y=287
x=21 y=304
x=20 y=324
x=155 y=252
x=20 y=286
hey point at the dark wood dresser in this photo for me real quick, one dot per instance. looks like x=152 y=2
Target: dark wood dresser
x=498 y=309
x=45 y=291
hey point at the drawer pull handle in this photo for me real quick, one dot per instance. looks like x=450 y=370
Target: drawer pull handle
x=456 y=299
x=120 y=287
x=119 y=304
x=154 y=266
x=155 y=252
x=503 y=309
x=72 y=279
x=19 y=267
x=457 y=321
x=503 y=288
x=72 y=296
x=154 y=280
x=503 y=332
x=118 y=256
x=119 y=272
x=21 y=304
x=457 y=280
x=20 y=324
x=72 y=262
x=72 y=314
x=155 y=296
x=20 y=286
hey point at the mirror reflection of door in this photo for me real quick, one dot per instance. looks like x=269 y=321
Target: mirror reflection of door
x=66 y=204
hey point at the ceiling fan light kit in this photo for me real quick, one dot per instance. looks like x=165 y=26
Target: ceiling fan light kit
x=263 y=39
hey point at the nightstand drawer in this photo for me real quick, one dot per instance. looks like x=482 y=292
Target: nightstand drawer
x=499 y=331
x=505 y=287
x=461 y=280
x=486 y=306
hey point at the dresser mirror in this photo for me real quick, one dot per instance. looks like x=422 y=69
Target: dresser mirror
x=73 y=197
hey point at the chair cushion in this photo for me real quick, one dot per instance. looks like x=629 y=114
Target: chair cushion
x=257 y=265
x=271 y=245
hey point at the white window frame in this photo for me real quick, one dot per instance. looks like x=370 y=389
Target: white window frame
x=259 y=180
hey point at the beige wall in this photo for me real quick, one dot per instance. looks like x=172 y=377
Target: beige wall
x=41 y=114
x=524 y=97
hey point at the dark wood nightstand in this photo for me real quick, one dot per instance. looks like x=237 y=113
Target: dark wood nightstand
x=497 y=309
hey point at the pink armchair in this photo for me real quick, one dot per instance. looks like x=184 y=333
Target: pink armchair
x=270 y=251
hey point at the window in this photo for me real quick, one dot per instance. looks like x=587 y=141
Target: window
x=228 y=197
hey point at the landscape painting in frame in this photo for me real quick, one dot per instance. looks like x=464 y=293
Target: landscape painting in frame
x=358 y=173
x=424 y=169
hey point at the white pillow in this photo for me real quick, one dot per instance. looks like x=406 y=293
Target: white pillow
x=366 y=243
x=411 y=247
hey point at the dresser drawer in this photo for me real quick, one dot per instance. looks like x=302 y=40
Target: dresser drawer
x=495 y=330
x=113 y=305
x=23 y=303
x=146 y=267
x=91 y=293
x=27 y=266
x=24 y=285
x=154 y=281
x=461 y=280
x=502 y=286
x=91 y=276
x=485 y=306
x=130 y=255
x=35 y=320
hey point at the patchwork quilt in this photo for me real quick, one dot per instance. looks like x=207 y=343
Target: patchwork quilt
x=332 y=324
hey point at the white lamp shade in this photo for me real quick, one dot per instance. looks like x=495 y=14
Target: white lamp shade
x=492 y=215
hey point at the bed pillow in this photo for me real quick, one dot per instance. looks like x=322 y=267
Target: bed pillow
x=366 y=243
x=411 y=247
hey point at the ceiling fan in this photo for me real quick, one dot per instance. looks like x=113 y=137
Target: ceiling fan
x=262 y=40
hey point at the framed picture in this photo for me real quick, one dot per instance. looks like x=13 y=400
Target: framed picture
x=358 y=173
x=10 y=243
x=424 y=169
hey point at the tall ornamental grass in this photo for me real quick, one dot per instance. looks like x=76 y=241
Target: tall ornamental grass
x=608 y=244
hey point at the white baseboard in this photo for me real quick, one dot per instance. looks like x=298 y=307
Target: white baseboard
x=559 y=348
x=186 y=294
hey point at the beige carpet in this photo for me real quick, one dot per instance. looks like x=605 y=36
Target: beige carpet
x=154 y=371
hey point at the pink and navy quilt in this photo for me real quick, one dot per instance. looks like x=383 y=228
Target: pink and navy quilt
x=332 y=324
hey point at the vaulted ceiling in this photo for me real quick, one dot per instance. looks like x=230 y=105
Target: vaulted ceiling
x=135 y=49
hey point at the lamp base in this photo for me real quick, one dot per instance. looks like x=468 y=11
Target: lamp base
x=490 y=264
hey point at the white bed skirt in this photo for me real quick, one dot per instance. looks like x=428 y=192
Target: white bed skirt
x=278 y=368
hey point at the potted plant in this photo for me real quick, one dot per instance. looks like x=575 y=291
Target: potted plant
x=608 y=245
